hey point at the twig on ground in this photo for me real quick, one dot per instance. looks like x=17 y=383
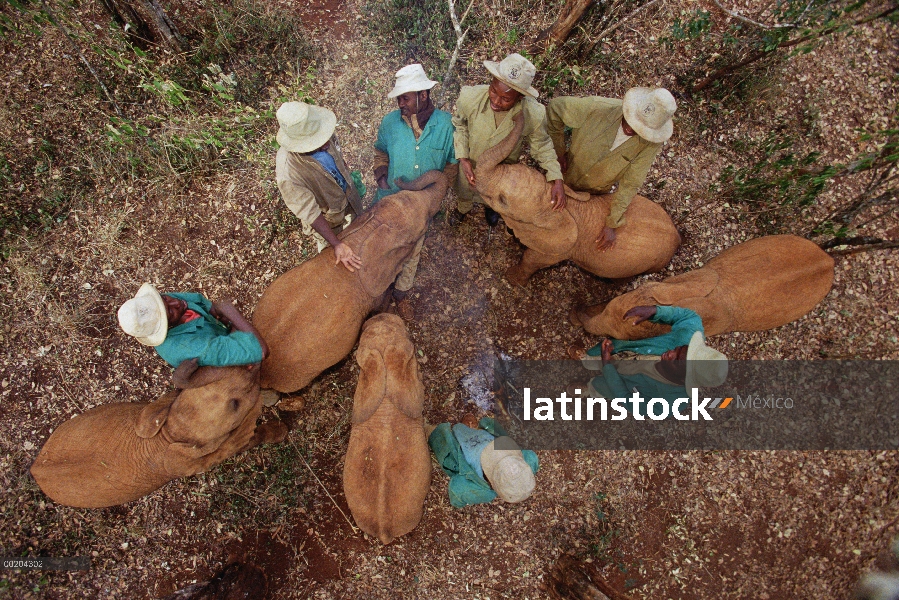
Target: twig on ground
x=337 y=506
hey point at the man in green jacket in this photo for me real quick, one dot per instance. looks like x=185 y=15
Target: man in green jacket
x=613 y=144
x=684 y=361
x=313 y=178
x=483 y=118
x=413 y=140
x=182 y=326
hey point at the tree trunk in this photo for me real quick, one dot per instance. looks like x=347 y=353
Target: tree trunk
x=568 y=17
x=572 y=579
x=147 y=22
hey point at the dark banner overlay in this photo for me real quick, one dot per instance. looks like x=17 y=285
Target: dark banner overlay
x=762 y=405
x=47 y=563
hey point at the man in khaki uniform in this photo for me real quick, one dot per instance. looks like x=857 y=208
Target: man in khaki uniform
x=313 y=178
x=483 y=118
x=613 y=143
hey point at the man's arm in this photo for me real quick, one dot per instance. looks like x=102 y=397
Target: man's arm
x=382 y=157
x=228 y=314
x=684 y=323
x=461 y=139
x=631 y=180
x=543 y=152
x=342 y=251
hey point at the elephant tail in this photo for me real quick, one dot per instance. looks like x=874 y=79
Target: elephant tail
x=425 y=181
x=491 y=157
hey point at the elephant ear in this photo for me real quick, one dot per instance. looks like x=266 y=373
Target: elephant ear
x=384 y=250
x=695 y=284
x=153 y=416
x=372 y=386
x=403 y=379
x=182 y=459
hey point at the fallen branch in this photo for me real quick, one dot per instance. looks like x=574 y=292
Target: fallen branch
x=749 y=21
x=337 y=506
x=52 y=16
x=857 y=249
x=608 y=30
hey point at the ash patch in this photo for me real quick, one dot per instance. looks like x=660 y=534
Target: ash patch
x=479 y=382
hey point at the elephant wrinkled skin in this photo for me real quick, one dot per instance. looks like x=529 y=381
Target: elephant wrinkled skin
x=759 y=284
x=387 y=472
x=120 y=452
x=311 y=315
x=522 y=196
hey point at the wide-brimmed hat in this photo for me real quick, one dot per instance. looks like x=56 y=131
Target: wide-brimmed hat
x=144 y=316
x=507 y=471
x=411 y=78
x=304 y=127
x=648 y=112
x=706 y=367
x=515 y=71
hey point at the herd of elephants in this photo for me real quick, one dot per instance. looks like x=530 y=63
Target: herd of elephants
x=313 y=315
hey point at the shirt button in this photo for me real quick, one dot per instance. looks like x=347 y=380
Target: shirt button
x=416 y=147
x=416 y=166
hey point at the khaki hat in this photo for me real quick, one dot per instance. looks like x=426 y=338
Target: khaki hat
x=145 y=317
x=706 y=367
x=507 y=471
x=648 y=112
x=515 y=71
x=304 y=127
x=411 y=78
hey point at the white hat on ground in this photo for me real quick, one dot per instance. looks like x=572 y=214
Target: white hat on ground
x=706 y=367
x=507 y=471
x=515 y=71
x=411 y=78
x=304 y=127
x=145 y=317
x=648 y=112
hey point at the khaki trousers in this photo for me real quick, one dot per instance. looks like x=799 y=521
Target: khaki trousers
x=407 y=276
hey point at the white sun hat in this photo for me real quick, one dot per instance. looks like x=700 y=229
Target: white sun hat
x=515 y=71
x=144 y=316
x=304 y=127
x=411 y=78
x=507 y=471
x=648 y=112
x=706 y=367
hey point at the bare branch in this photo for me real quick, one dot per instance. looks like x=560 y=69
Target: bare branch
x=80 y=54
x=740 y=17
x=460 y=39
x=608 y=30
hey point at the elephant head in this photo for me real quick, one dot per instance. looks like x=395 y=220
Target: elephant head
x=209 y=403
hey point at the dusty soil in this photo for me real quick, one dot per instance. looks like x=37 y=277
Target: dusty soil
x=681 y=525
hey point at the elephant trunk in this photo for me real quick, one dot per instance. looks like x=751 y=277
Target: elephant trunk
x=435 y=182
x=492 y=157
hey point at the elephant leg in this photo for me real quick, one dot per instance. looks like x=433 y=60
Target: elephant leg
x=531 y=262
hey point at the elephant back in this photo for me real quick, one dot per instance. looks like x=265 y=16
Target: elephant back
x=645 y=244
x=771 y=281
x=94 y=459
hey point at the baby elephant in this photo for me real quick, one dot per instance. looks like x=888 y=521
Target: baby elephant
x=645 y=244
x=388 y=465
x=117 y=453
x=760 y=284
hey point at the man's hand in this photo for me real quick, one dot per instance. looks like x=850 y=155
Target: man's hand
x=642 y=313
x=606 y=351
x=606 y=239
x=563 y=161
x=557 y=198
x=382 y=182
x=467 y=170
x=346 y=256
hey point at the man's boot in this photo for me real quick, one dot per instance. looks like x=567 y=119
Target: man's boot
x=403 y=305
x=491 y=216
x=455 y=217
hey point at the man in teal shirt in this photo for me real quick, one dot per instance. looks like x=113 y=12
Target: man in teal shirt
x=684 y=359
x=182 y=326
x=413 y=140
